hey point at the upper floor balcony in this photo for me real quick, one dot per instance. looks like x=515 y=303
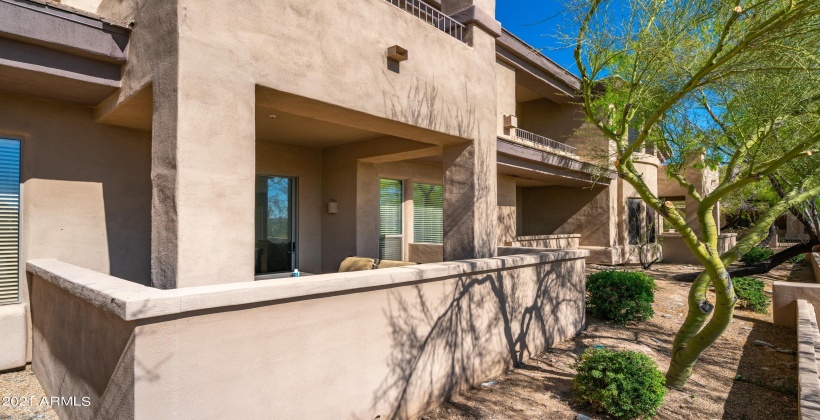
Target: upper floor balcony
x=432 y=16
x=531 y=139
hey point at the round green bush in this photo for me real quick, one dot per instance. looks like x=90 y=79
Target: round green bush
x=750 y=294
x=756 y=255
x=620 y=296
x=626 y=384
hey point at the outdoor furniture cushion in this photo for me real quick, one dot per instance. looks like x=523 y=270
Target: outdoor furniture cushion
x=393 y=263
x=357 y=264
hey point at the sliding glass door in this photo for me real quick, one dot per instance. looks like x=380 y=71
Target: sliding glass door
x=275 y=224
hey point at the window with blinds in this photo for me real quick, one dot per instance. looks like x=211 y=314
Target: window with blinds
x=390 y=219
x=428 y=221
x=9 y=219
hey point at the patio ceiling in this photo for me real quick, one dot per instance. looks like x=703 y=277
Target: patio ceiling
x=304 y=131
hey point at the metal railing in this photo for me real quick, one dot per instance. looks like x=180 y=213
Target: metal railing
x=432 y=16
x=520 y=134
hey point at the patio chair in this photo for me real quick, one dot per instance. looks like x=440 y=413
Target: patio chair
x=357 y=264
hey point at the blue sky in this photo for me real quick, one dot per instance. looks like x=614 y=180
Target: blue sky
x=535 y=22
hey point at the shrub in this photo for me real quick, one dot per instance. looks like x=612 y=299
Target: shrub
x=626 y=384
x=797 y=258
x=620 y=296
x=750 y=294
x=756 y=255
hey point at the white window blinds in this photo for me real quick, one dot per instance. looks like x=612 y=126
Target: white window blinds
x=390 y=219
x=428 y=222
x=9 y=219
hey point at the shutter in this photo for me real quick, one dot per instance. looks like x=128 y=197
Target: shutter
x=428 y=221
x=390 y=219
x=9 y=220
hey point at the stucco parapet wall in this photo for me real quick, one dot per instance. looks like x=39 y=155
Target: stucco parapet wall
x=131 y=301
x=476 y=16
x=63 y=28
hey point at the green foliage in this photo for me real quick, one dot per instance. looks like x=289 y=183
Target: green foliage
x=620 y=296
x=756 y=255
x=797 y=258
x=626 y=385
x=750 y=294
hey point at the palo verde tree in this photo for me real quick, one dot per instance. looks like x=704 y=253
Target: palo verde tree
x=758 y=198
x=726 y=84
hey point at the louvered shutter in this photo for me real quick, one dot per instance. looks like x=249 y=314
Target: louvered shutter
x=428 y=222
x=390 y=219
x=9 y=219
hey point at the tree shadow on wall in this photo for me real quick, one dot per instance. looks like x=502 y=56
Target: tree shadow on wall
x=451 y=334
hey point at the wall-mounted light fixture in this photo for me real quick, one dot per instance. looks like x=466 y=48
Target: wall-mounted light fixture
x=332 y=207
x=510 y=121
x=397 y=53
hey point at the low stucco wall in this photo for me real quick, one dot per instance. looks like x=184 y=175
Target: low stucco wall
x=814 y=259
x=568 y=241
x=675 y=250
x=784 y=296
x=808 y=348
x=354 y=345
x=14 y=333
x=425 y=253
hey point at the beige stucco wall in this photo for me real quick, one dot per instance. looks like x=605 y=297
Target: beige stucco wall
x=304 y=164
x=505 y=79
x=86 y=193
x=507 y=199
x=571 y=210
x=784 y=297
x=253 y=349
x=208 y=72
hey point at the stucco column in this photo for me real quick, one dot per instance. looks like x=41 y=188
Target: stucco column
x=203 y=167
x=470 y=172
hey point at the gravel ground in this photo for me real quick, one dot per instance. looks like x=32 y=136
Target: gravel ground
x=734 y=379
x=14 y=385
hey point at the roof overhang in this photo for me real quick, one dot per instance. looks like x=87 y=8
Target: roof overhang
x=535 y=71
x=51 y=52
x=550 y=168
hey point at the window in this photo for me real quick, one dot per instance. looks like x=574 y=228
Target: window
x=390 y=219
x=9 y=220
x=428 y=203
x=634 y=220
x=651 y=221
x=680 y=206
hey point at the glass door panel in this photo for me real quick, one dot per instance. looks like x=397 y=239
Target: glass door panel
x=275 y=221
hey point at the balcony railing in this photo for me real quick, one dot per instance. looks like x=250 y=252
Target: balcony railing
x=432 y=16
x=520 y=134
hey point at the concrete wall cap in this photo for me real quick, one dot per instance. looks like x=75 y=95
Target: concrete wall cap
x=558 y=236
x=131 y=301
x=476 y=16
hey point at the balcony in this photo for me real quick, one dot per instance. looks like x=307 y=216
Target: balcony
x=431 y=16
x=524 y=137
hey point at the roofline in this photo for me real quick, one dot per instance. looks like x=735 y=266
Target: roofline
x=532 y=55
x=72 y=14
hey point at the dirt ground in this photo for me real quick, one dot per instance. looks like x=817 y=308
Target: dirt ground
x=734 y=379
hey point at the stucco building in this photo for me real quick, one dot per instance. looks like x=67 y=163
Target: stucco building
x=166 y=164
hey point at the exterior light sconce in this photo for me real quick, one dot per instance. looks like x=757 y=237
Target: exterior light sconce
x=332 y=207
x=397 y=53
x=510 y=121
